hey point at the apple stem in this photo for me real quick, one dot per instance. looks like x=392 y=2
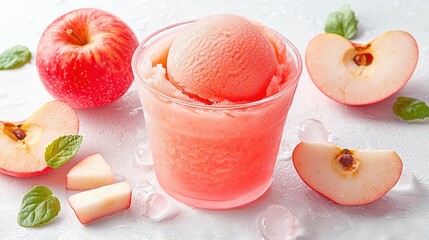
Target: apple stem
x=76 y=37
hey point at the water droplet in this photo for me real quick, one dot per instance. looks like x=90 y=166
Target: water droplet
x=143 y=186
x=122 y=226
x=150 y=176
x=141 y=134
x=318 y=211
x=312 y=130
x=159 y=208
x=286 y=150
x=134 y=112
x=142 y=159
x=279 y=223
x=119 y=178
x=336 y=225
x=370 y=115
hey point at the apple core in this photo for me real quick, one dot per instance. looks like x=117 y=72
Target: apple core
x=15 y=132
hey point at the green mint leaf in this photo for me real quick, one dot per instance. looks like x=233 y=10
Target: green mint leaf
x=38 y=206
x=62 y=150
x=342 y=22
x=410 y=108
x=14 y=57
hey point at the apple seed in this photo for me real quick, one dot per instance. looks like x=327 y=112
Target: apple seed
x=19 y=133
x=363 y=59
x=347 y=160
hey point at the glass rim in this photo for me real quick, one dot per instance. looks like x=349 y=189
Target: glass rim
x=220 y=106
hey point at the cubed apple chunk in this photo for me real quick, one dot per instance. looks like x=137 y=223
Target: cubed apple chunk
x=91 y=172
x=96 y=203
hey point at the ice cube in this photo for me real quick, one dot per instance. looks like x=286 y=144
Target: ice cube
x=159 y=208
x=280 y=223
x=312 y=130
x=143 y=186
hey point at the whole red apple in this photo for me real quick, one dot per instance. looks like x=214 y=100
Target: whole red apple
x=84 y=58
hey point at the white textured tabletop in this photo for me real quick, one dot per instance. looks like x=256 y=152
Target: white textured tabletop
x=118 y=132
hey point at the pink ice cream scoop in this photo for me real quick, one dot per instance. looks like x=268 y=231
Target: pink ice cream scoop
x=222 y=57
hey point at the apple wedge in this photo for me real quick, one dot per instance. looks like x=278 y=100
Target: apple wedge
x=347 y=177
x=90 y=172
x=96 y=203
x=23 y=144
x=356 y=74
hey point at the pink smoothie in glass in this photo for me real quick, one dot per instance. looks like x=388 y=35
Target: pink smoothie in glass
x=215 y=135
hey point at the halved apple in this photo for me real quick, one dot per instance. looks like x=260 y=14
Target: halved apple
x=23 y=144
x=356 y=74
x=99 y=202
x=347 y=177
x=90 y=172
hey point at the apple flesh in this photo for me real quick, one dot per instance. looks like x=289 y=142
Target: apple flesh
x=356 y=74
x=23 y=144
x=347 y=177
x=96 y=203
x=84 y=58
x=90 y=172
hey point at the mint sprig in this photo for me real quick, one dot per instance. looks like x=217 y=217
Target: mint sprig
x=410 y=109
x=62 y=150
x=38 y=206
x=342 y=22
x=14 y=57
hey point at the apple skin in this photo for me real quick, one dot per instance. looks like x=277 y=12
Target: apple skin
x=330 y=65
x=25 y=174
x=84 y=58
x=55 y=118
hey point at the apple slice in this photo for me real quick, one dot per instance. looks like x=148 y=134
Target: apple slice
x=23 y=144
x=96 y=203
x=347 y=177
x=90 y=172
x=356 y=74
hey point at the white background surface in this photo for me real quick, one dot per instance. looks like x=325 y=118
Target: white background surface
x=118 y=131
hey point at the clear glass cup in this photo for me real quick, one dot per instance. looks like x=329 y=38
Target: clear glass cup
x=212 y=156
